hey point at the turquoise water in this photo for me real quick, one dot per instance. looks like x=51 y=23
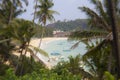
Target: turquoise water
x=61 y=49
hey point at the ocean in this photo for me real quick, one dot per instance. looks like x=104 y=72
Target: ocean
x=59 y=50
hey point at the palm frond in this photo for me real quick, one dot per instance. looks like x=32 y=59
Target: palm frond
x=5 y=40
x=35 y=56
x=18 y=12
x=75 y=45
x=40 y=51
x=107 y=40
x=84 y=35
x=32 y=53
x=44 y=11
x=100 y=21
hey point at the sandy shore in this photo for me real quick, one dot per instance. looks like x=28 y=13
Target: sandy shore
x=45 y=41
x=35 y=41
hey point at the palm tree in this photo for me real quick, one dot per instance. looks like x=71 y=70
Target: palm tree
x=22 y=31
x=44 y=13
x=13 y=7
x=15 y=30
x=5 y=18
x=75 y=66
x=102 y=20
x=35 y=10
x=115 y=31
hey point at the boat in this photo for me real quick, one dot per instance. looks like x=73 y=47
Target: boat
x=55 y=53
x=67 y=50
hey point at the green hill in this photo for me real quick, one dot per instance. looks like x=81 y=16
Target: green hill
x=69 y=25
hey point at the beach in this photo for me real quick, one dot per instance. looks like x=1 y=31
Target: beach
x=35 y=42
x=62 y=47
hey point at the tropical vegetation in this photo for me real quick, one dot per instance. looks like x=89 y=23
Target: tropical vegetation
x=102 y=56
x=100 y=62
x=44 y=14
x=70 y=25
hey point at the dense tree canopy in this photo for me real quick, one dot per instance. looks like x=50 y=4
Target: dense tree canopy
x=78 y=24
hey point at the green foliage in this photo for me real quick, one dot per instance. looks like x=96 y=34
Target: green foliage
x=10 y=10
x=87 y=34
x=21 y=30
x=15 y=35
x=24 y=66
x=9 y=75
x=19 y=33
x=78 y=24
x=98 y=18
x=48 y=32
x=73 y=66
x=44 y=11
x=59 y=67
x=108 y=76
x=3 y=68
x=41 y=74
x=40 y=51
x=100 y=57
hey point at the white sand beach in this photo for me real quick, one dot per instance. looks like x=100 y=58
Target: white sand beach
x=35 y=41
x=45 y=41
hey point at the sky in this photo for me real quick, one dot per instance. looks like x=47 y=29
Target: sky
x=67 y=9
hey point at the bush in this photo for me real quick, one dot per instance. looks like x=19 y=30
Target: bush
x=42 y=74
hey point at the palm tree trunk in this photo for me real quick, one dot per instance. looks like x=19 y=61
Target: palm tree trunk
x=116 y=43
x=11 y=14
x=16 y=68
x=110 y=58
x=41 y=37
x=35 y=10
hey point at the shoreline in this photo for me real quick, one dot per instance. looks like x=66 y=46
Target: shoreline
x=45 y=41
x=35 y=42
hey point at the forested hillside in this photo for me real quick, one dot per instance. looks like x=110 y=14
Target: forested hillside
x=69 y=25
x=48 y=32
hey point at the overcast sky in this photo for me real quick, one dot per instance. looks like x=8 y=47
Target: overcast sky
x=68 y=9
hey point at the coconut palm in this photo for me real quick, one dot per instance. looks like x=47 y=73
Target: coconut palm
x=35 y=7
x=115 y=31
x=13 y=8
x=102 y=20
x=5 y=17
x=22 y=31
x=15 y=30
x=44 y=13
x=75 y=67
